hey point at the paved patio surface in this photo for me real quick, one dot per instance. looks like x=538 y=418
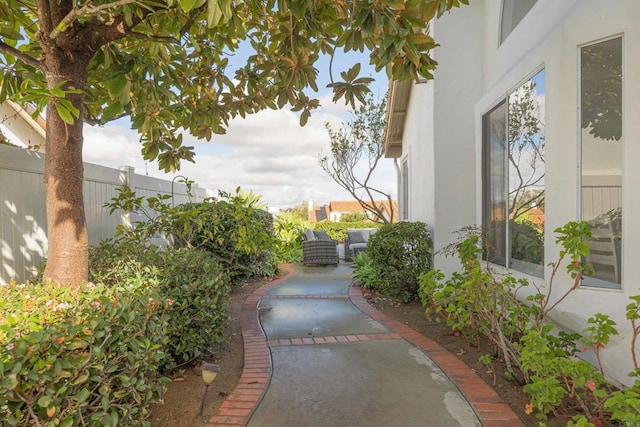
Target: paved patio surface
x=317 y=354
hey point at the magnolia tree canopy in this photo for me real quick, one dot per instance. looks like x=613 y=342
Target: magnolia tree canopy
x=178 y=66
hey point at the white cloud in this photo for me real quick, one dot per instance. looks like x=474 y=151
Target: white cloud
x=269 y=153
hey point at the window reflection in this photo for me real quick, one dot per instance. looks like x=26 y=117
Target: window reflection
x=601 y=160
x=527 y=176
x=514 y=178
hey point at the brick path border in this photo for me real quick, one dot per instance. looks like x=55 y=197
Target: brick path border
x=240 y=404
x=488 y=405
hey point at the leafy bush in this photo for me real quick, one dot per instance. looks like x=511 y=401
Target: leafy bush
x=363 y=272
x=400 y=252
x=353 y=217
x=85 y=356
x=235 y=232
x=483 y=305
x=191 y=279
x=289 y=229
x=231 y=227
x=338 y=230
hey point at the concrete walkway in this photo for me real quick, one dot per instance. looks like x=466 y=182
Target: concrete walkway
x=317 y=354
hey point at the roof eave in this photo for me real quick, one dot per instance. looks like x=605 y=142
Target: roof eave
x=399 y=92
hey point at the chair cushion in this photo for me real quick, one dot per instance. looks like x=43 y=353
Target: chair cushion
x=309 y=235
x=358 y=246
x=357 y=236
x=321 y=235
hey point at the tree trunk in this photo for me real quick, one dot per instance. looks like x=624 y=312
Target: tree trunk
x=68 y=257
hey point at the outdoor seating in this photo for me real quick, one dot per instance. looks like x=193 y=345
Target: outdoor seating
x=603 y=255
x=356 y=241
x=318 y=248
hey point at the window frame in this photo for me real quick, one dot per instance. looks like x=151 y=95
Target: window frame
x=404 y=189
x=588 y=282
x=506 y=260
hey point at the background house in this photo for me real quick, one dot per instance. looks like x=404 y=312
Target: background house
x=527 y=126
x=18 y=128
x=335 y=210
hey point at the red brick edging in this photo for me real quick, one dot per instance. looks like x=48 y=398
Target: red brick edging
x=240 y=404
x=488 y=405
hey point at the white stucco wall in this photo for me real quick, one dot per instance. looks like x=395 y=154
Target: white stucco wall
x=443 y=134
x=458 y=86
x=418 y=151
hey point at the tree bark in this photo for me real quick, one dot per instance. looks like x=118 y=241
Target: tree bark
x=68 y=254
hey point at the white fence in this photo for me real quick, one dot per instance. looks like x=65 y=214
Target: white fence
x=23 y=223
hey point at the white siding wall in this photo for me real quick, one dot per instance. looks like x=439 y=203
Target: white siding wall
x=23 y=224
x=443 y=133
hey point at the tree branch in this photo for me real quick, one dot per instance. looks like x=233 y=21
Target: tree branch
x=148 y=37
x=87 y=9
x=27 y=59
x=192 y=18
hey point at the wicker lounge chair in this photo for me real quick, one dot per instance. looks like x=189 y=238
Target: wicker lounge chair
x=318 y=248
x=356 y=241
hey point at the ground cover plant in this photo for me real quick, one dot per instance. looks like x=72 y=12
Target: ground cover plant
x=483 y=305
x=364 y=273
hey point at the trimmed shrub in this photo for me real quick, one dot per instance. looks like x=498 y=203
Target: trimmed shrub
x=80 y=356
x=192 y=280
x=400 y=252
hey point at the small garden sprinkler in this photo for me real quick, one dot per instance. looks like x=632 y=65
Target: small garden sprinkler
x=209 y=373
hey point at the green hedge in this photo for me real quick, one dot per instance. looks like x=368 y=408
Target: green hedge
x=86 y=356
x=400 y=253
x=338 y=230
x=193 y=283
x=240 y=237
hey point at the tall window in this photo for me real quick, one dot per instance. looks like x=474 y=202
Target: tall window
x=513 y=181
x=404 y=191
x=601 y=158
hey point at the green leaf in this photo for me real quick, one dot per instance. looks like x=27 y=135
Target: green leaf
x=82 y=395
x=214 y=13
x=44 y=401
x=64 y=114
x=187 y=5
x=81 y=379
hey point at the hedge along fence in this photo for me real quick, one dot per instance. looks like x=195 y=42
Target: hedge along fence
x=338 y=230
x=86 y=356
x=231 y=227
